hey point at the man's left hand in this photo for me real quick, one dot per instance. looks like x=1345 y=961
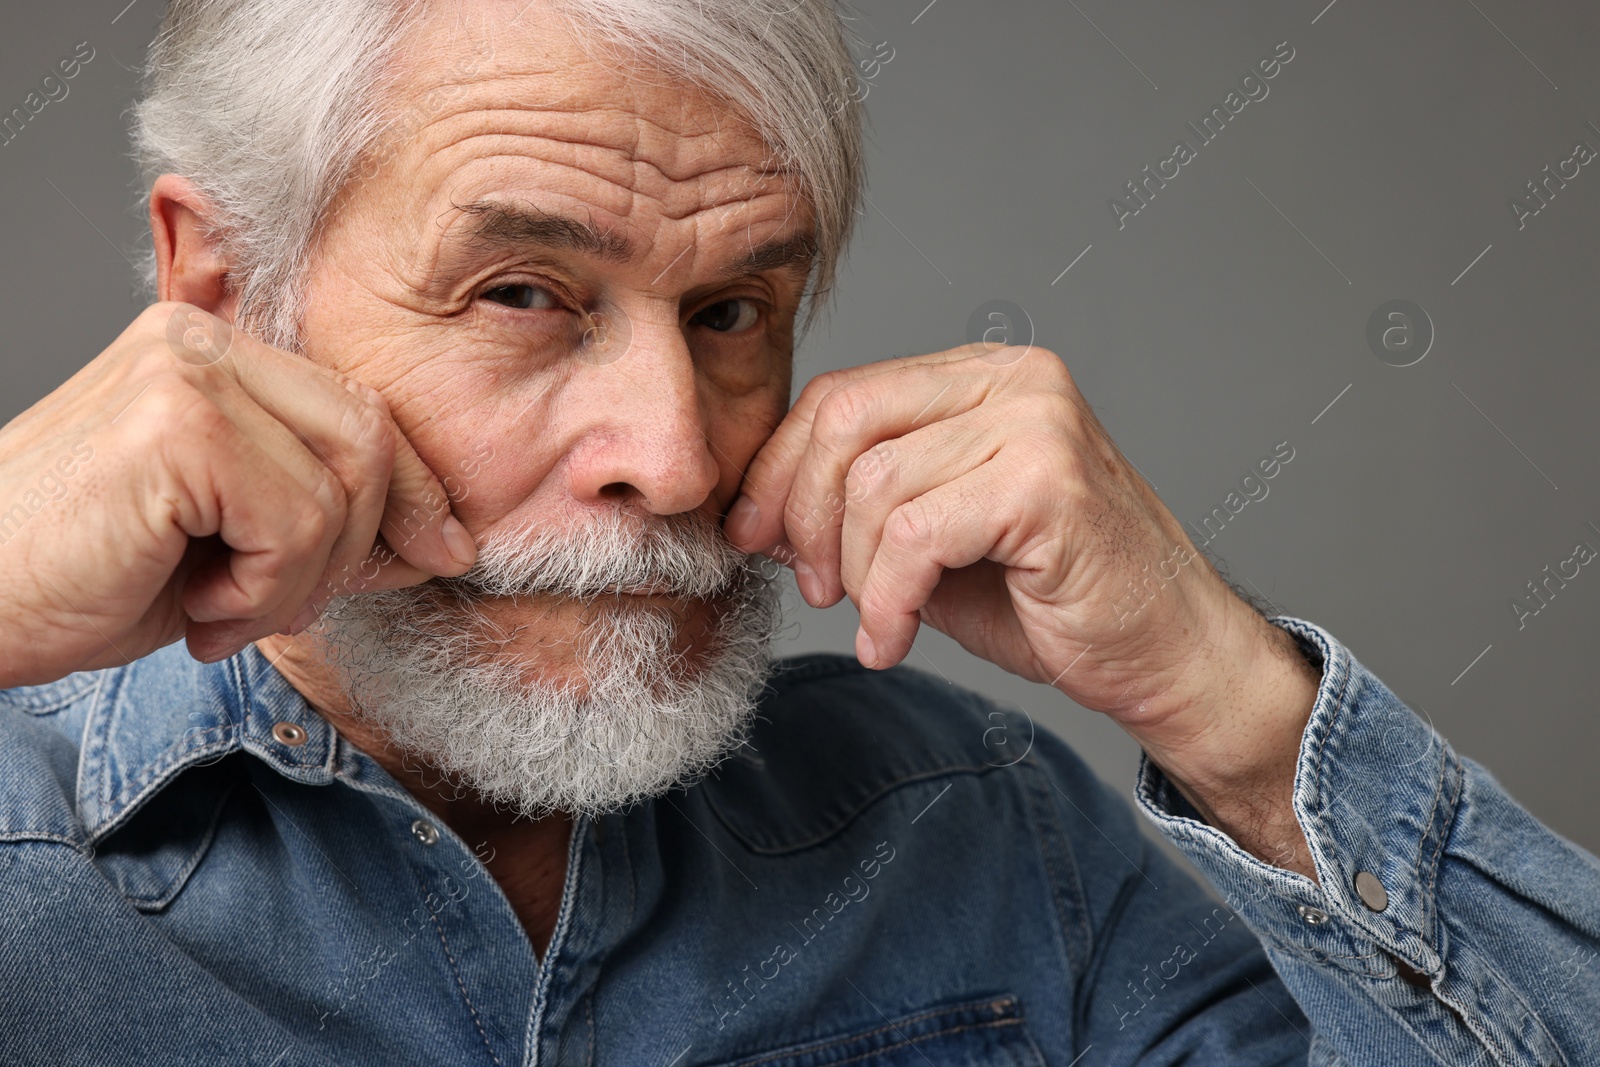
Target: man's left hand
x=974 y=489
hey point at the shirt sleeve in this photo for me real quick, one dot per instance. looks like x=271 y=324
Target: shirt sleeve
x=1450 y=926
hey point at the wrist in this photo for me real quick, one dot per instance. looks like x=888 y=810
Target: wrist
x=1232 y=745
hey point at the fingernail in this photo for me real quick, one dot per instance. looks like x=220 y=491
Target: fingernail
x=866 y=651
x=742 y=520
x=463 y=549
x=806 y=579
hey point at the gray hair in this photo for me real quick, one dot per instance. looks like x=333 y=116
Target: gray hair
x=269 y=107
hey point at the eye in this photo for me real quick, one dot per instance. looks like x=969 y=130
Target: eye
x=521 y=296
x=728 y=316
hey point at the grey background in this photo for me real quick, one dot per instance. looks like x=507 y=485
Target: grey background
x=1207 y=330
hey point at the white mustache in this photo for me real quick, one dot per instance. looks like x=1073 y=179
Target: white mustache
x=683 y=555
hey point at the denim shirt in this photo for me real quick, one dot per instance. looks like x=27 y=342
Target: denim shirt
x=196 y=869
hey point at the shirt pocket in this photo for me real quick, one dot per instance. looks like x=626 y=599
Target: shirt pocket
x=980 y=1033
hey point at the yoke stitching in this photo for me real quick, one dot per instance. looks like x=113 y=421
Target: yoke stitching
x=908 y=1021
x=907 y=1042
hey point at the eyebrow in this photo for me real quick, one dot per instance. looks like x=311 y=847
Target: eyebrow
x=500 y=225
x=793 y=253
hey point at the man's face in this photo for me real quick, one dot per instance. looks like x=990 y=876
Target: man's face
x=575 y=283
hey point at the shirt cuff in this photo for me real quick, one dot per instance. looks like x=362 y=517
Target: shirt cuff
x=1375 y=792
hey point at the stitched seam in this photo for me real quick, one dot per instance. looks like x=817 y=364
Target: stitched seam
x=1422 y=843
x=88 y=747
x=164 y=762
x=763 y=848
x=1305 y=952
x=588 y=1010
x=455 y=972
x=1428 y=903
x=545 y=976
x=1036 y=798
x=42 y=837
x=50 y=707
x=142 y=791
x=1399 y=1018
x=182 y=876
x=910 y=1041
x=931 y=1013
x=1513 y=993
x=1338 y=713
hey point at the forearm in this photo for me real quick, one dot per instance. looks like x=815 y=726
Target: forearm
x=1446 y=925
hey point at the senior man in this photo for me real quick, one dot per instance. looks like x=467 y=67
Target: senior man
x=453 y=448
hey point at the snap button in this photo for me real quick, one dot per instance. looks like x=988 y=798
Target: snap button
x=288 y=733
x=1312 y=916
x=425 y=832
x=1371 y=891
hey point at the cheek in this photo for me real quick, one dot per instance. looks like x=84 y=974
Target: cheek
x=490 y=434
x=493 y=458
x=739 y=428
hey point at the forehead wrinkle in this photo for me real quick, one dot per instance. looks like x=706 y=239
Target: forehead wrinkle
x=623 y=198
x=674 y=148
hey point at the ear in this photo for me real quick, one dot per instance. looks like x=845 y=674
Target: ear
x=189 y=266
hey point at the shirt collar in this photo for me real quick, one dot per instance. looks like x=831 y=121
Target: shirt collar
x=167 y=712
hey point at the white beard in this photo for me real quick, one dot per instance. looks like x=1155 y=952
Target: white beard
x=427 y=668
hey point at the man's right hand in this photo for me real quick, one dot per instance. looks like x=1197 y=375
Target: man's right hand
x=194 y=482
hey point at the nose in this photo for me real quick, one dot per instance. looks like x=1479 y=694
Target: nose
x=645 y=442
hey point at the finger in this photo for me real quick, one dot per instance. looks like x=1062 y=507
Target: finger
x=381 y=569
x=889 y=474
x=755 y=521
x=953 y=526
x=364 y=492
x=348 y=426
x=278 y=532
x=847 y=423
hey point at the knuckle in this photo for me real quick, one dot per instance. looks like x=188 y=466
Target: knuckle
x=908 y=527
x=368 y=396
x=170 y=400
x=311 y=524
x=152 y=321
x=330 y=497
x=368 y=430
x=820 y=386
x=843 y=412
x=170 y=411
x=871 y=472
x=1053 y=420
x=878 y=599
x=1046 y=358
